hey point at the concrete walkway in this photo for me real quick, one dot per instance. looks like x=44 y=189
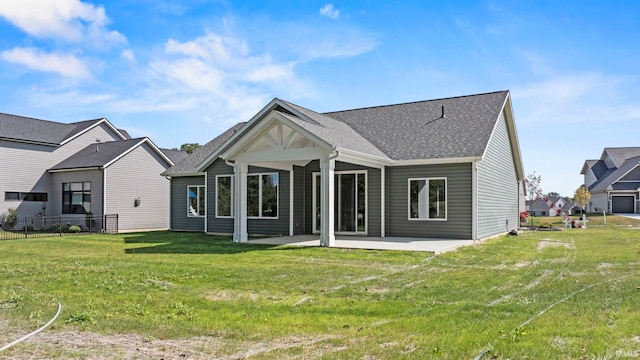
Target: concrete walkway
x=435 y=246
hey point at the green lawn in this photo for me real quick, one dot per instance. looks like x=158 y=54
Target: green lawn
x=569 y=294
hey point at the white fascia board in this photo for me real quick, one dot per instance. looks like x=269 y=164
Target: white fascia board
x=101 y=121
x=513 y=136
x=142 y=141
x=359 y=158
x=267 y=121
x=214 y=155
x=459 y=160
x=625 y=174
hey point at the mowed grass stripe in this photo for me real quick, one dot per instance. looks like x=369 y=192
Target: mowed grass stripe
x=357 y=303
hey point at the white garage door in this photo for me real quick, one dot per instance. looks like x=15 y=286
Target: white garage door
x=622 y=204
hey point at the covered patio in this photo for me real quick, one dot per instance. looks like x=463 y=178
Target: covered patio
x=435 y=246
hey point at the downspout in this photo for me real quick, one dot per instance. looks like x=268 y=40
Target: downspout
x=474 y=200
x=291 y=204
x=206 y=202
x=104 y=199
x=383 y=211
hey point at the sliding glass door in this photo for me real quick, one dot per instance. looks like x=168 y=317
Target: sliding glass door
x=350 y=201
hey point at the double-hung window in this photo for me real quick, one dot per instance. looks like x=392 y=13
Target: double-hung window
x=262 y=195
x=428 y=199
x=196 y=200
x=224 y=197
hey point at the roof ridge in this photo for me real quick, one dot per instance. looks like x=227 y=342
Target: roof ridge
x=32 y=118
x=414 y=102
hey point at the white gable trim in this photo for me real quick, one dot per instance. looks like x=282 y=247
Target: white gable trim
x=252 y=135
x=247 y=127
x=101 y=121
x=144 y=140
x=513 y=136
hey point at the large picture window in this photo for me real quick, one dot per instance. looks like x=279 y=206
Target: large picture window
x=428 y=199
x=262 y=195
x=224 y=199
x=76 y=197
x=195 y=200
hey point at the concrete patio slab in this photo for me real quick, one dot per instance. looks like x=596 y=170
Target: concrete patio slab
x=436 y=246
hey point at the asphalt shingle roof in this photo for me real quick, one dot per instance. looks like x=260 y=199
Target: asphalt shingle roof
x=334 y=132
x=175 y=155
x=613 y=174
x=410 y=131
x=96 y=155
x=418 y=131
x=20 y=128
x=191 y=162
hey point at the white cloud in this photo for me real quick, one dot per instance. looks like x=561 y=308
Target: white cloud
x=64 y=64
x=129 y=56
x=70 y=20
x=329 y=11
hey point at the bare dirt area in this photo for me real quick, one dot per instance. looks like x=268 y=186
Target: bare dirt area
x=92 y=346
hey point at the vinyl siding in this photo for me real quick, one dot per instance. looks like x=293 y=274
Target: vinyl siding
x=24 y=167
x=217 y=225
x=55 y=196
x=279 y=225
x=373 y=195
x=459 y=202
x=137 y=175
x=599 y=201
x=298 y=200
x=497 y=185
x=179 y=218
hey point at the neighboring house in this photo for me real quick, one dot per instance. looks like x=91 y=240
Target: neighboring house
x=83 y=167
x=541 y=208
x=446 y=168
x=614 y=180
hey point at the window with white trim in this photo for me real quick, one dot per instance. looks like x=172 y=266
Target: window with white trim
x=262 y=195
x=224 y=198
x=428 y=199
x=196 y=200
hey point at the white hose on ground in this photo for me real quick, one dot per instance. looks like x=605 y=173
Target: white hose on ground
x=34 y=332
x=485 y=351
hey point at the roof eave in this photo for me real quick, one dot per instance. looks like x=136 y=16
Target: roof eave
x=182 y=174
x=435 y=161
x=22 y=141
x=75 y=169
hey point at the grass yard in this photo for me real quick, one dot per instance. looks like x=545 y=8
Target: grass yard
x=572 y=294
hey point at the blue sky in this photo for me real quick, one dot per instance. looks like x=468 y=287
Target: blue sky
x=184 y=71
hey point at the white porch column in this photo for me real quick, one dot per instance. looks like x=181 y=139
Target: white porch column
x=240 y=171
x=327 y=207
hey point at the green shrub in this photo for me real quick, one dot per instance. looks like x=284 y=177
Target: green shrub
x=75 y=229
x=54 y=228
x=10 y=218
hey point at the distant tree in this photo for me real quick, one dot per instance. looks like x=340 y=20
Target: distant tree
x=553 y=194
x=534 y=192
x=582 y=196
x=189 y=148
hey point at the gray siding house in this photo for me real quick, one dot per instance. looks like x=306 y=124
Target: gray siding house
x=614 y=181
x=84 y=167
x=446 y=168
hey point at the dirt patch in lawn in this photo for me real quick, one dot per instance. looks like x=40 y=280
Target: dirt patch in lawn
x=88 y=345
x=544 y=243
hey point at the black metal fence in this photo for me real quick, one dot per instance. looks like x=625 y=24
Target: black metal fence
x=44 y=226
